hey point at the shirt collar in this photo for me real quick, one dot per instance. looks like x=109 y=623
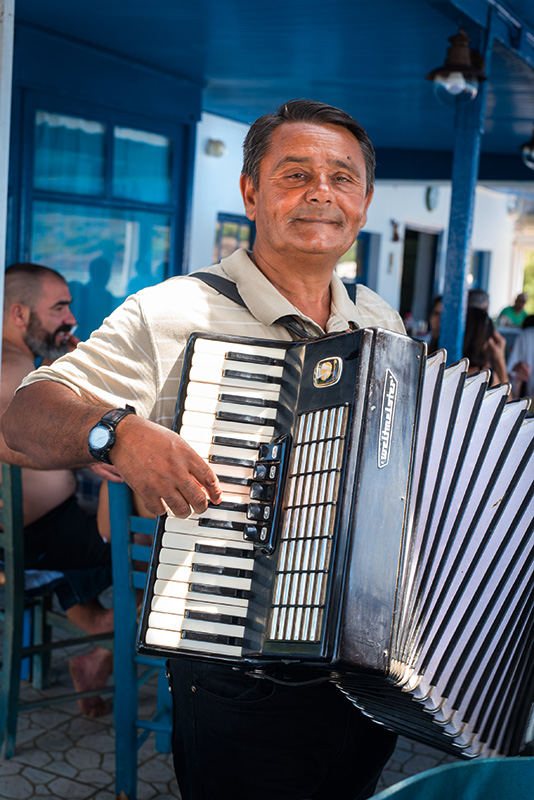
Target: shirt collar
x=267 y=305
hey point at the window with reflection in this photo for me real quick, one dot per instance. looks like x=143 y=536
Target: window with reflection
x=141 y=166
x=69 y=154
x=101 y=210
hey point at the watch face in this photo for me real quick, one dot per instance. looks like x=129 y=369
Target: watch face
x=99 y=437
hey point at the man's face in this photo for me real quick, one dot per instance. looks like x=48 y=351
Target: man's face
x=311 y=196
x=51 y=321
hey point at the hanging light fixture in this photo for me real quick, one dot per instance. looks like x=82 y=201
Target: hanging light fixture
x=527 y=152
x=459 y=77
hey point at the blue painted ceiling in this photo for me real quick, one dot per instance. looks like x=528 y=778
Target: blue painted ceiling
x=369 y=58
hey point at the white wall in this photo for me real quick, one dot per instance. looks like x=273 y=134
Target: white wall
x=216 y=189
x=216 y=184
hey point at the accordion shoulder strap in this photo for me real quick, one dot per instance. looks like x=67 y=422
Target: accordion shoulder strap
x=230 y=290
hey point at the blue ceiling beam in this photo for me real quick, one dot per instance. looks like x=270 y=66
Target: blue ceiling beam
x=509 y=29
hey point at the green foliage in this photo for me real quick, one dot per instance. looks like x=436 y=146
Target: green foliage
x=528 y=281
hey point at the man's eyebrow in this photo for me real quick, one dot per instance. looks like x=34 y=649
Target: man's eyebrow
x=335 y=162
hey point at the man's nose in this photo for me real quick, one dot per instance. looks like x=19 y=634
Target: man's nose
x=319 y=191
x=69 y=318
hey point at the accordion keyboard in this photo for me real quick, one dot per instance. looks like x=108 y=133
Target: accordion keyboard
x=203 y=577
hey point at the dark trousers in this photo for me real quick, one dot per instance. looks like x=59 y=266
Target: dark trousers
x=241 y=738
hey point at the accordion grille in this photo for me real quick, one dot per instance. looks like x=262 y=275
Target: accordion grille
x=307 y=528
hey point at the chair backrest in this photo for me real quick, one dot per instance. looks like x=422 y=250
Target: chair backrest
x=129 y=559
x=487 y=779
x=12 y=538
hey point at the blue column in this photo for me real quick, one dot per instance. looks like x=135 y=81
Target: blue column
x=468 y=126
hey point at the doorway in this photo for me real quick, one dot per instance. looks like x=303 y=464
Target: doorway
x=418 y=282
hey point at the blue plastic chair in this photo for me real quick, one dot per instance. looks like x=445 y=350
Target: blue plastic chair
x=127 y=577
x=29 y=621
x=487 y=779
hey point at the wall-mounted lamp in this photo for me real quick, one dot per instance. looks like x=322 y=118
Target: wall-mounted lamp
x=459 y=77
x=215 y=148
x=527 y=152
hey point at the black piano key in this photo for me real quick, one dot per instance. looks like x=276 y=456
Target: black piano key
x=215 y=638
x=232 y=462
x=243 y=419
x=225 y=505
x=215 y=550
x=241 y=400
x=248 y=444
x=230 y=572
x=223 y=524
x=250 y=376
x=222 y=619
x=220 y=591
x=248 y=358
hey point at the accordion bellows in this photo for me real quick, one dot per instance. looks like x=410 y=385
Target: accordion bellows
x=376 y=523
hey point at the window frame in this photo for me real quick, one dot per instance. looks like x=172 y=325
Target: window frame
x=180 y=135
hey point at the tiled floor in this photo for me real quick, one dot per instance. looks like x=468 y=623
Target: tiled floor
x=61 y=755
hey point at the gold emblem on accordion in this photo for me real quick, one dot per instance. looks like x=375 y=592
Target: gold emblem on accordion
x=327 y=372
x=389 y=403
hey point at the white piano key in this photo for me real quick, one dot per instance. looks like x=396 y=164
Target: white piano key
x=185 y=574
x=192 y=526
x=214 y=365
x=214 y=347
x=177 y=605
x=212 y=391
x=173 y=640
x=186 y=541
x=221 y=514
x=177 y=557
x=199 y=420
x=175 y=622
x=208 y=405
x=225 y=381
x=197 y=434
x=245 y=473
x=183 y=591
x=206 y=449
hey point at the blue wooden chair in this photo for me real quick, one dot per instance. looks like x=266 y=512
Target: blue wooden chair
x=28 y=618
x=132 y=669
x=487 y=779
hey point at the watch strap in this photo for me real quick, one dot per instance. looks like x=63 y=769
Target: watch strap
x=109 y=420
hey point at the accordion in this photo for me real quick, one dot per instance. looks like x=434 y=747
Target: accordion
x=376 y=523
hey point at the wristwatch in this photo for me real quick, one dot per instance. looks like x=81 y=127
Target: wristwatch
x=102 y=436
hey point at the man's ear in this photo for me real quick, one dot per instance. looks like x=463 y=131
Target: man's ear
x=366 y=206
x=248 y=192
x=19 y=313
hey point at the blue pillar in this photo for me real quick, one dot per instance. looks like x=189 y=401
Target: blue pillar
x=468 y=127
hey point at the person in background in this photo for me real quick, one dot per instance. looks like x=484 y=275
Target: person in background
x=478 y=298
x=521 y=360
x=434 y=322
x=307 y=181
x=58 y=534
x=484 y=346
x=514 y=315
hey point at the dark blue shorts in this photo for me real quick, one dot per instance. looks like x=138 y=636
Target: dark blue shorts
x=66 y=539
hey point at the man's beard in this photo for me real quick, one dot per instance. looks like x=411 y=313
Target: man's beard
x=43 y=344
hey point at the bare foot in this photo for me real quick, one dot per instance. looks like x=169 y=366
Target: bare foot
x=91 y=671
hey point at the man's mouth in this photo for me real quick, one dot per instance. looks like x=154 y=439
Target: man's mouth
x=62 y=336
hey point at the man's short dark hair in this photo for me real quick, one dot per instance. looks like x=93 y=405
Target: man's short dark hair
x=258 y=138
x=23 y=283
